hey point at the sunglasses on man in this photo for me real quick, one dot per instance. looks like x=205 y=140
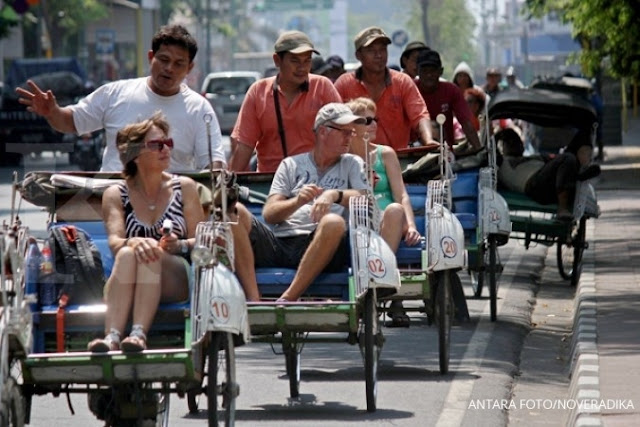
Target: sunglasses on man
x=158 y=144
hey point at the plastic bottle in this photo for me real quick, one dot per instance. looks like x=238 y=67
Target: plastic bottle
x=33 y=261
x=47 y=285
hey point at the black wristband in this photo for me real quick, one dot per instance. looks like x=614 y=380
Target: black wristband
x=340 y=194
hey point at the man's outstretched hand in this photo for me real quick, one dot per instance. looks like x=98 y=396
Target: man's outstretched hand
x=37 y=101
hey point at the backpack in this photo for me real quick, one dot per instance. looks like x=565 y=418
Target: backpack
x=79 y=274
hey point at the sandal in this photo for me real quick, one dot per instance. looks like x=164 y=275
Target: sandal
x=133 y=344
x=103 y=345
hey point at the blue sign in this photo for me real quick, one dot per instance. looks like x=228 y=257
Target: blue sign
x=105 y=42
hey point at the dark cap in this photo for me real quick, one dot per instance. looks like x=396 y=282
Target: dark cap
x=492 y=71
x=294 y=42
x=410 y=47
x=429 y=58
x=318 y=65
x=334 y=61
x=369 y=35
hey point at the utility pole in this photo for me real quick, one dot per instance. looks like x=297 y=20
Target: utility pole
x=207 y=65
x=485 y=32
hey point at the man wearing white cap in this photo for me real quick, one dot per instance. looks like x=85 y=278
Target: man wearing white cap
x=400 y=107
x=280 y=126
x=305 y=210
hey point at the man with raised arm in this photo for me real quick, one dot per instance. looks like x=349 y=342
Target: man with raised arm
x=117 y=104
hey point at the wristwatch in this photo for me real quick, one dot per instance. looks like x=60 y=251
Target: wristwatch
x=184 y=247
x=340 y=194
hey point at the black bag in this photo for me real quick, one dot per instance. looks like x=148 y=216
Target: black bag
x=78 y=265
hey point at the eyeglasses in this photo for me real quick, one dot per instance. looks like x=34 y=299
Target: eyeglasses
x=370 y=120
x=158 y=144
x=347 y=133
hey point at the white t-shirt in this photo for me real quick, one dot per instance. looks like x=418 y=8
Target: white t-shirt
x=117 y=104
x=295 y=172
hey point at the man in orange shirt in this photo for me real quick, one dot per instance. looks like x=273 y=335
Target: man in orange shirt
x=400 y=107
x=299 y=97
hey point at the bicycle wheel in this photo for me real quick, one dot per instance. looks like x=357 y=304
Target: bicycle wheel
x=492 y=248
x=162 y=417
x=371 y=350
x=444 y=317
x=579 y=244
x=221 y=382
x=564 y=256
x=12 y=408
x=292 y=362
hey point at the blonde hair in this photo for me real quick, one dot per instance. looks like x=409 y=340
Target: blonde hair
x=362 y=104
x=130 y=139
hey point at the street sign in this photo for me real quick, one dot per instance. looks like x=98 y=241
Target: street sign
x=105 y=42
x=285 y=5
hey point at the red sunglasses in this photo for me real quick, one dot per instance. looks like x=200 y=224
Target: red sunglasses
x=158 y=144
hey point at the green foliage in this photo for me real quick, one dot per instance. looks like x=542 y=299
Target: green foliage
x=66 y=18
x=451 y=28
x=608 y=31
x=8 y=19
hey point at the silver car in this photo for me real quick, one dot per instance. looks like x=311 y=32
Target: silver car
x=225 y=91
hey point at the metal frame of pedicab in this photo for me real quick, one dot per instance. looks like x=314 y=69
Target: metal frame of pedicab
x=531 y=221
x=184 y=336
x=442 y=254
x=15 y=317
x=319 y=316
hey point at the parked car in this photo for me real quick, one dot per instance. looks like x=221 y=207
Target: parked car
x=225 y=91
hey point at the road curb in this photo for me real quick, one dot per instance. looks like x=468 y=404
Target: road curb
x=584 y=369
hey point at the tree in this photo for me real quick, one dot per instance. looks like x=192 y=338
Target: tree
x=447 y=26
x=64 y=19
x=608 y=31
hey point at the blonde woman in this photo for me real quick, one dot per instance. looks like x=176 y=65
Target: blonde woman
x=397 y=219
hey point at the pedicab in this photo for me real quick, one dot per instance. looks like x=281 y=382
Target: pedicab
x=190 y=345
x=15 y=317
x=337 y=307
x=532 y=222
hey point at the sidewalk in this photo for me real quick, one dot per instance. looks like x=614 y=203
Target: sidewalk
x=605 y=347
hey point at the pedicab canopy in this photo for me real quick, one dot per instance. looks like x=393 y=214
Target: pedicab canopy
x=543 y=107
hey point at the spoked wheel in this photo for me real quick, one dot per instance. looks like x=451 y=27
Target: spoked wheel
x=569 y=254
x=292 y=362
x=222 y=388
x=11 y=405
x=162 y=417
x=491 y=273
x=371 y=348
x=579 y=244
x=444 y=316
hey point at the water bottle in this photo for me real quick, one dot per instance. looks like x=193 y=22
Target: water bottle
x=47 y=285
x=33 y=261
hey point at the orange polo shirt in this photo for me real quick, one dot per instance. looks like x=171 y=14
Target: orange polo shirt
x=257 y=123
x=399 y=109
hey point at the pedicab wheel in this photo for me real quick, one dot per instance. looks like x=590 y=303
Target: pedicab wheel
x=164 y=403
x=579 y=244
x=12 y=408
x=444 y=316
x=477 y=281
x=569 y=253
x=221 y=382
x=491 y=273
x=292 y=364
x=371 y=350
